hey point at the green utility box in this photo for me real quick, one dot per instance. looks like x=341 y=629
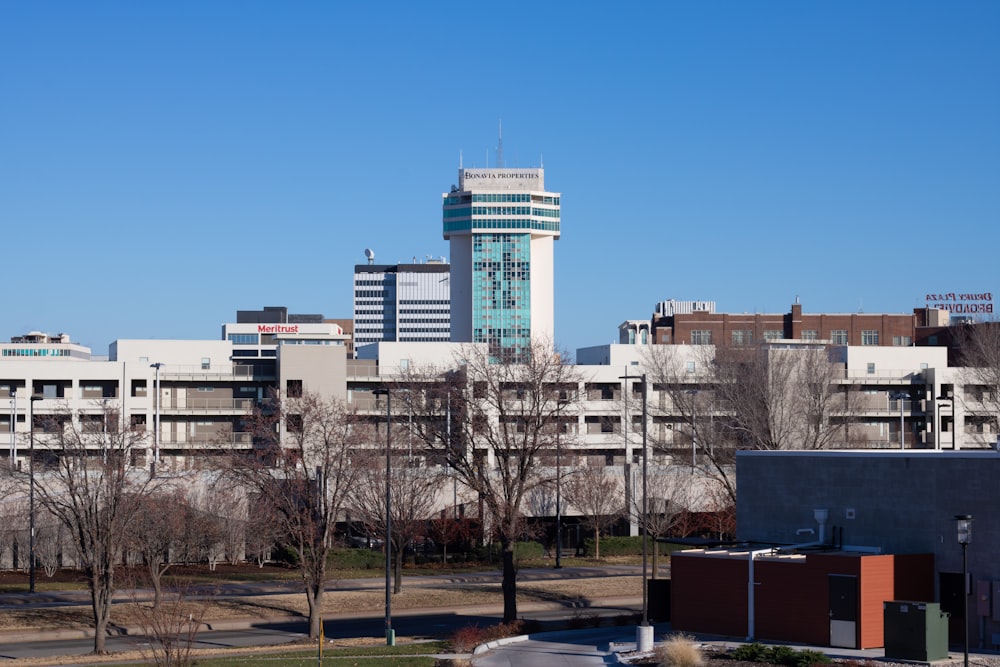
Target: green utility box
x=915 y=630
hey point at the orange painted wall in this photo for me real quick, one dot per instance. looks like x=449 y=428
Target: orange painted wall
x=877 y=586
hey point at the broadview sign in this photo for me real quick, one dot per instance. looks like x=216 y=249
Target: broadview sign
x=962 y=303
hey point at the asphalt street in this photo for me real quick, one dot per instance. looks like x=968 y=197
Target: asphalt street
x=238 y=633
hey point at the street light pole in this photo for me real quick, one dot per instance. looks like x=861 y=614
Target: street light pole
x=390 y=635
x=13 y=424
x=644 y=634
x=964 y=525
x=558 y=501
x=156 y=421
x=31 y=492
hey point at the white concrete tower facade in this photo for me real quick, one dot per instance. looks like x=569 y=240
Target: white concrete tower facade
x=502 y=225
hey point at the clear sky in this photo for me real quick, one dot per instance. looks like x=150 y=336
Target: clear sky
x=165 y=164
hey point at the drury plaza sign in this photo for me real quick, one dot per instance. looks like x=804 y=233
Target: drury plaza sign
x=962 y=303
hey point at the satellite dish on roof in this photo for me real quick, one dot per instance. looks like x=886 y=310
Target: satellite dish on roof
x=370 y=254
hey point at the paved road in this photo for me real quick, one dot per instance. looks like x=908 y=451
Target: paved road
x=70 y=598
x=243 y=632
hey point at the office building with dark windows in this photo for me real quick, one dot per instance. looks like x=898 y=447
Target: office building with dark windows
x=402 y=303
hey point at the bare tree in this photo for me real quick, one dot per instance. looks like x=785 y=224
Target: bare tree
x=598 y=496
x=89 y=486
x=49 y=542
x=414 y=496
x=755 y=397
x=156 y=532
x=669 y=490
x=447 y=529
x=262 y=531
x=979 y=353
x=305 y=477
x=502 y=416
x=170 y=629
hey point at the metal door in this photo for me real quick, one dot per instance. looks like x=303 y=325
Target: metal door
x=843 y=610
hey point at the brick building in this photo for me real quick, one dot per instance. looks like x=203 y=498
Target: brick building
x=706 y=327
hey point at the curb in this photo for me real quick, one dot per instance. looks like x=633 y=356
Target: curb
x=488 y=646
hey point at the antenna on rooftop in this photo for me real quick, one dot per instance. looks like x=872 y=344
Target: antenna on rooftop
x=500 y=164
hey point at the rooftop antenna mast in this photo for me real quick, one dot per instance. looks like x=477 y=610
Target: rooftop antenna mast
x=500 y=164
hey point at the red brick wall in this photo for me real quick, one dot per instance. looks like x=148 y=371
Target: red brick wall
x=793 y=601
x=708 y=595
x=792 y=596
x=677 y=330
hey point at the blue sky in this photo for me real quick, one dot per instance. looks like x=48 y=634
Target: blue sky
x=163 y=165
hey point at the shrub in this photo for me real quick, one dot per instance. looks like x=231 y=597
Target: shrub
x=614 y=546
x=522 y=551
x=779 y=655
x=356 y=559
x=752 y=652
x=466 y=639
x=782 y=655
x=286 y=555
x=679 y=650
x=808 y=658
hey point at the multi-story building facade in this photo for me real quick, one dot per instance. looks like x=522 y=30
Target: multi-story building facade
x=908 y=397
x=402 y=302
x=502 y=225
x=701 y=325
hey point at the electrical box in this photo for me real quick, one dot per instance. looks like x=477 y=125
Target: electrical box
x=915 y=631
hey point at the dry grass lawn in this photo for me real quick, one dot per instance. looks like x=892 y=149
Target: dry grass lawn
x=339 y=602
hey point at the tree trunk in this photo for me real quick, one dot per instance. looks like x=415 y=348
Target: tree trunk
x=656 y=559
x=100 y=595
x=509 y=582
x=597 y=543
x=314 y=596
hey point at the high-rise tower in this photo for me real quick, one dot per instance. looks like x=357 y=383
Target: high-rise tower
x=502 y=225
x=401 y=302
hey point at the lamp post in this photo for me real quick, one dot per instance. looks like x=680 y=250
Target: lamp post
x=644 y=634
x=13 y=423
x=31 y=492
x=390 y=635
x=558 y=501
x=964 y=525
x=156 y=421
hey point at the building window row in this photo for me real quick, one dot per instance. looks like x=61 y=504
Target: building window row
x=487 y=223
x=701 y=337
x=36 y=352
x=502 y=197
